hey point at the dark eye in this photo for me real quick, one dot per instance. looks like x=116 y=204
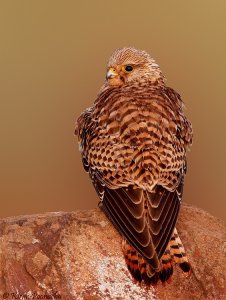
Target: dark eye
x=128 y=68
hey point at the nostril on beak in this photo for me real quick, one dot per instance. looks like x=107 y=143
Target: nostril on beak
x=111 y=73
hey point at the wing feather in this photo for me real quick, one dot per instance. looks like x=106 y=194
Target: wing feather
x=140 y=241
x=146 y=234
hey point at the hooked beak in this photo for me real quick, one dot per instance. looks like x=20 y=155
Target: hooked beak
x=111 y=73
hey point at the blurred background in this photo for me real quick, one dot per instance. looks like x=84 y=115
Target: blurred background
x=52 y=64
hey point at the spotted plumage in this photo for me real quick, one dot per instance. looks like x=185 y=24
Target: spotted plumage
x=133 y=142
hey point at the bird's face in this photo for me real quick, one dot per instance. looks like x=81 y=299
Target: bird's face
x=127 y=65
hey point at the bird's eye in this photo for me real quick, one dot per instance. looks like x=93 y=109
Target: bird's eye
x=128 y=68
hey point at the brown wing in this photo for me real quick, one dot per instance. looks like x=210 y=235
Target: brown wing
x=145 y=219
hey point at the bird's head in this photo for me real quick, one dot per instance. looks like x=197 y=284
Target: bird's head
x=128 y=64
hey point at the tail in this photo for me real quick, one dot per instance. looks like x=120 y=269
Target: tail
x=178 y=253
x=143 y=271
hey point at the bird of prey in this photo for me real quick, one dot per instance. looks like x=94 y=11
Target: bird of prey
x=133 y=142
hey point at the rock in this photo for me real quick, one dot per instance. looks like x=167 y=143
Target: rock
x=78 y=255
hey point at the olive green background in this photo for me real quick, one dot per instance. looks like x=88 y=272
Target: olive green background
x=52 y=64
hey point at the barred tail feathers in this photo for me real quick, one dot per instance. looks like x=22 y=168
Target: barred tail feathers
x=141 y=270
x=178 y=253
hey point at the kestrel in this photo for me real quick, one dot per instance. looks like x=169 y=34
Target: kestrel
x=133 y=142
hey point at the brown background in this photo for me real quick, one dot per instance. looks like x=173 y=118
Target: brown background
x=52 y=64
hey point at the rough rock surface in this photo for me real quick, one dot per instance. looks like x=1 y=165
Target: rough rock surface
x=78 y=255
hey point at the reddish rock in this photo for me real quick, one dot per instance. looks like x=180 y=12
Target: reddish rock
x=78 y=256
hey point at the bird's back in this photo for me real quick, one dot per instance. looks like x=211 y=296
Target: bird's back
x=140 y=136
